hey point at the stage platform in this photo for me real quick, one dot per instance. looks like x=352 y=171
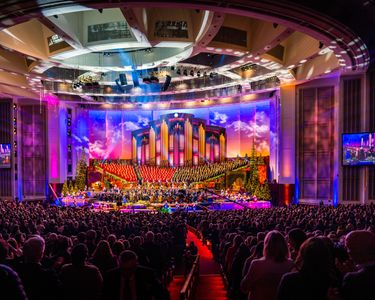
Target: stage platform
x=145 y=206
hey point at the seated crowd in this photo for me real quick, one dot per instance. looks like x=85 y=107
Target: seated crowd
x=69 y=253
x=297 y=252
x=292 y=253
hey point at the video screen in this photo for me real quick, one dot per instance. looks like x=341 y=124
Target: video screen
x=358 y=149
x=4 y=155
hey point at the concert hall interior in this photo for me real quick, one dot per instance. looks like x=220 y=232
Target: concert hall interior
x=187 y=149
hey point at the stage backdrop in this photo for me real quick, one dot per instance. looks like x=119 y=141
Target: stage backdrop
x=107 y=134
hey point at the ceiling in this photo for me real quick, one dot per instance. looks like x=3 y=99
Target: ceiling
x=97 y=51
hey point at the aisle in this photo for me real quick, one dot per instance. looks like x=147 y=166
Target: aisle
x=210 y=285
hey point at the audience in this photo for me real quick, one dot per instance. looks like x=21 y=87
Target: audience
x=329 y=253
x=297 y=252
x=69 y=250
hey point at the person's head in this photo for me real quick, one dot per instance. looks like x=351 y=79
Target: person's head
x=128 y=262
x=314 y=257
x=91 y=235
x=237 y=241
x=361 y=246
x=257 y=250
x=275 y=247
x=79 y=254
x=296 y=237
x=117 y=248
x=111 y=239
x=137 y=241
x=81 y=237
x=149 y=236
x=4 y=249
x=33 y=249
x=102 y=249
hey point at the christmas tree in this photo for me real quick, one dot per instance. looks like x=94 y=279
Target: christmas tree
x=70 y=187
x=65 y=189
x=81 y=171
x=254 y=186
x=253 y=183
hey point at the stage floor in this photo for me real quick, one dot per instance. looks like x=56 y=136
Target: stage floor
x=166 y=207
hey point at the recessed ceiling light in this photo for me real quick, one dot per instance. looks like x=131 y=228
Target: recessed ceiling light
x=303 y=61
x=327 y=71
x=218 y=50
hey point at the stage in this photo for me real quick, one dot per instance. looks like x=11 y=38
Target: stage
x=146 y=206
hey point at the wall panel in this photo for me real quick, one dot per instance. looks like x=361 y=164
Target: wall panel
x=316 y=143
x=33 y=151
x=351 y=122
x=5 y=138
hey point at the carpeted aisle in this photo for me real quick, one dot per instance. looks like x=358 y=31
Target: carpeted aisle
x=210 y=285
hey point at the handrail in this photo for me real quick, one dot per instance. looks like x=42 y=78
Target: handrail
x=187 y=290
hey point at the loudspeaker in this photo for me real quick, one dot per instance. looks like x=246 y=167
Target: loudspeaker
x=166 y=83
x=135 y=79
x=123 y=80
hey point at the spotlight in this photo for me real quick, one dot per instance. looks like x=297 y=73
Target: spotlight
x=178 y=72
x=275 y=25
x=185 y=73
x=100 y=10
x=199 y=73
x=191 y=72
x=205 y=74
x=321 y=45
x=211 y=75
x=56 y=16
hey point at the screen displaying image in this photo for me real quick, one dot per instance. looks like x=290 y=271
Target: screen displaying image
x=358 y=149
x=4 y=155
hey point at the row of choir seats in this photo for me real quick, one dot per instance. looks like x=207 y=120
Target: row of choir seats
x=152 y=173
x=164 y=174
x=123 y=171
x=208 y=171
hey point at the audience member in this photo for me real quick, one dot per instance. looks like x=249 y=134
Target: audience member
x=131 y=281
x=81 y=280
x=263 y=277
x=360 y=284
